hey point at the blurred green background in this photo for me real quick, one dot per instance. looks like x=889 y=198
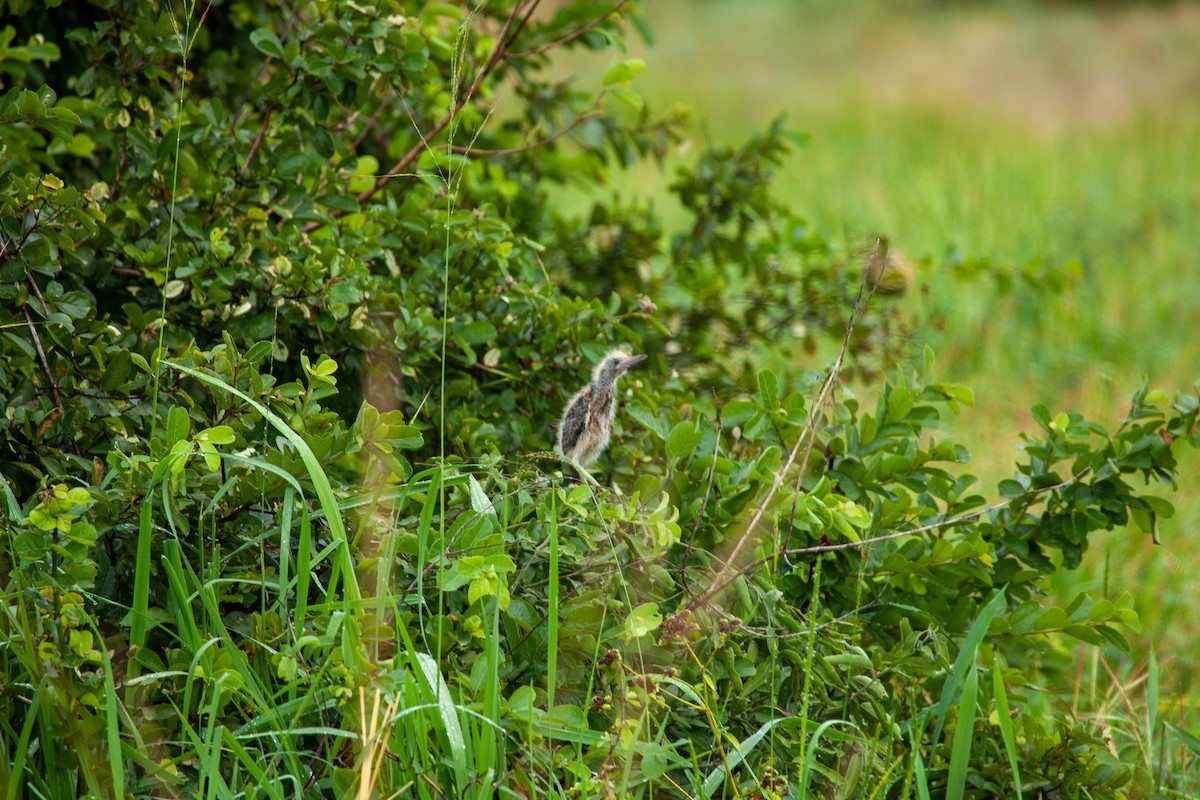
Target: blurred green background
x=1059 y=141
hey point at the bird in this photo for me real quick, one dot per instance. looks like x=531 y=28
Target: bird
x=587 y=421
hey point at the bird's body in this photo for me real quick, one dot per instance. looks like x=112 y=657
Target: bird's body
x=587 y=422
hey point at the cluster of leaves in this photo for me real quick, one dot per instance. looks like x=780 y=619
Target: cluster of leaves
x=288 y=298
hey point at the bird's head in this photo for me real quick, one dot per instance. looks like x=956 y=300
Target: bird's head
x=613 y=364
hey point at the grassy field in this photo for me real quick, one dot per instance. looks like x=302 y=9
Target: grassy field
x=1055 y=141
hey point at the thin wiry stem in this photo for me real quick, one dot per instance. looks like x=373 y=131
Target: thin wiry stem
x=712 y=473
x=262 y=131
x=933 y=526
x=512 y=151
x=37 y=341
x=570 y=36
x=808 y=434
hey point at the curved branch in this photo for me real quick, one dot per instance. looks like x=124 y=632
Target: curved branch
x=716 y=587
x=512 y=151
x=575 y=35
x=809 y=433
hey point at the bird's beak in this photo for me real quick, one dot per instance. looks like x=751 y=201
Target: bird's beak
x=631 y=362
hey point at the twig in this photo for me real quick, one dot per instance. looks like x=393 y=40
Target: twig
x=262 y=131
x=712 y=472
x=539 y=50
x=933 y=526
x=37 y=340
x=511 y=151
x=370 y=123
x=826 y=395
x=809 y=431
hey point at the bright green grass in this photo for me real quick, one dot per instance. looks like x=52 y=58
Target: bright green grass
x=1060 y=138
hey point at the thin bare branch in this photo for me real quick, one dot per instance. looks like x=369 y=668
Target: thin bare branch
x=573 y=35
x=808 y=434
x=712 y=473
x=37 y=341
x=262 y=131
x=933 y=526
x=512 y=151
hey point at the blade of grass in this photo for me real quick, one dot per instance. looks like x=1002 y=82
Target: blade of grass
x=743 y=749
x=262 y=781
x=139 y=612
x=965 y=660
x=22 y=747
x=489 y=747
x=303 y=571
x=552 y=613
x=424 y=539
x=964 y=736
x=1151 y=706
x=439 y=692
x=316 y=474
x=1004 y=718
x=810 y=754
x=285 y=549
x=112 y=725
x=922 y=781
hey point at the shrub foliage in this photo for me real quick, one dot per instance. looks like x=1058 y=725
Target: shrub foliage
x=291 y=299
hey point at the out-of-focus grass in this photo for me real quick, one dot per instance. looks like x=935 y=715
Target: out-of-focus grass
x=1013 y=133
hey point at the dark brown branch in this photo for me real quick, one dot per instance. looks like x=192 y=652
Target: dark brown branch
x=370 y=124
x=262 y=131
x=575 y=35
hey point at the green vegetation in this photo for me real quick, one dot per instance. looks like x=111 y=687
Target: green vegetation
x=291 y=302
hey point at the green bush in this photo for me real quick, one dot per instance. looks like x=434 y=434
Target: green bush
x=291 y=303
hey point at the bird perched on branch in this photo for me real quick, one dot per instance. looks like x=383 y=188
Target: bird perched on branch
x=587 y=422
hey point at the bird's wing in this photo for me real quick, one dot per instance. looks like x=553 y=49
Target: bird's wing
x=573 y=421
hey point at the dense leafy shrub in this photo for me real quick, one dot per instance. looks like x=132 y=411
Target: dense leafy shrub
x=291 y=300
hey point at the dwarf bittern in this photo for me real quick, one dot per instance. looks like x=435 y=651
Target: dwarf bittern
x=587 y=422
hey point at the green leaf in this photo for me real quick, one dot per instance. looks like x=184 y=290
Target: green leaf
x=1009 y=489
x=768 y=390
x=479 y=499
x=478 y=331
x=642 y=620
x=736 y=412
x=1188 y=739
x=682 y=440
x=220 y=434
x=646 y=418
x=267 y=42
x=635 y=101
x=179 y=425
x=1005 y=720
x=624 y=71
